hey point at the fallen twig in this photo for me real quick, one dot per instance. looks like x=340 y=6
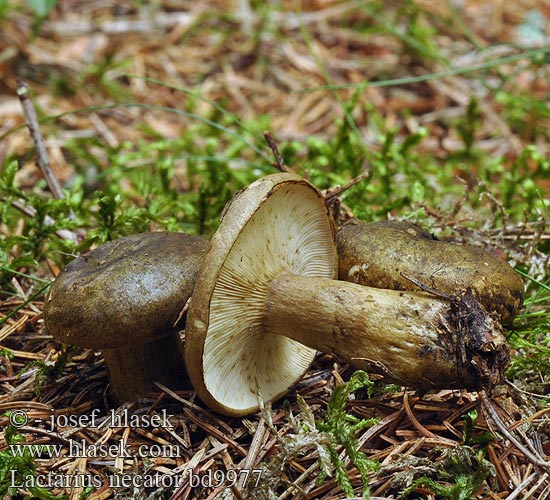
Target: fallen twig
x=159 y=21
x=337 y=191
x=495 y=417
x=279 y=163
x=20 y=205
x=42 y=159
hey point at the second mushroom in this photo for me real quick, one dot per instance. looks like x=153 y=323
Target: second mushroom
x=266 y=300
x=126 y=298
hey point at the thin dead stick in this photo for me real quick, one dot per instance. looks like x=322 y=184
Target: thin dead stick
x=522 y=486
x=495 y=417
x=253 y=452
x=295 y=485
x=331 y=193
x=187 y=468
x=123 y=25
x=20 y=205
x=279 y=163
x=42 y=159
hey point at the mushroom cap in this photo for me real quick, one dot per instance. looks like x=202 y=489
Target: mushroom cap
x=126 y=292
x=280 y=222
x=378 y=253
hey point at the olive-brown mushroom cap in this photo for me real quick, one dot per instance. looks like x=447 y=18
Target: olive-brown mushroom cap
x=378 y=254
x=278 y=223
x=126 y=292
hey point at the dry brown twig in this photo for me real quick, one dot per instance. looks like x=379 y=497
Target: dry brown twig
x=25 y=209
x=279 y=163
x=337 y=191
x=489 y=408
x=42 y=160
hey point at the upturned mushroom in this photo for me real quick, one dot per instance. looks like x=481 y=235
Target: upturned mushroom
x=387 y=254
x=266 y=301
x=125 y=298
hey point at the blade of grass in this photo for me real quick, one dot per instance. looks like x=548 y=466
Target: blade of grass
x=190 y=93
x=533 y=280
x=15 y=310
x=307 y=39
x=532 y=300
x=24 y=275
x=434 y=76
x=167 y=109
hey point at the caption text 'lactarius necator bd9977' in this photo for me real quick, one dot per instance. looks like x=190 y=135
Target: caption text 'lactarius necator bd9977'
x=267 y=299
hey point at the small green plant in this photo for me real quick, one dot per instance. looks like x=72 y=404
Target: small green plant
x=524 y=113
x=342 y=428
x=47 y=372
x=8 y=264
x=24 y=251
x=326 y=436
x=518 y=184
x=42 y=7
x=17 y=469
x=457 y=475
x=103 y=77
x=468 y=438
x=467 y=128
x=6 y=353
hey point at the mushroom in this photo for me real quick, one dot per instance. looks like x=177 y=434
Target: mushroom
x=383 y=254
x=266 y=301
x=126 y=299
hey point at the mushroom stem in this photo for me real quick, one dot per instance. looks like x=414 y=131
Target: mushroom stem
x=411 y=338
x=373 y=254
x=133 y=370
